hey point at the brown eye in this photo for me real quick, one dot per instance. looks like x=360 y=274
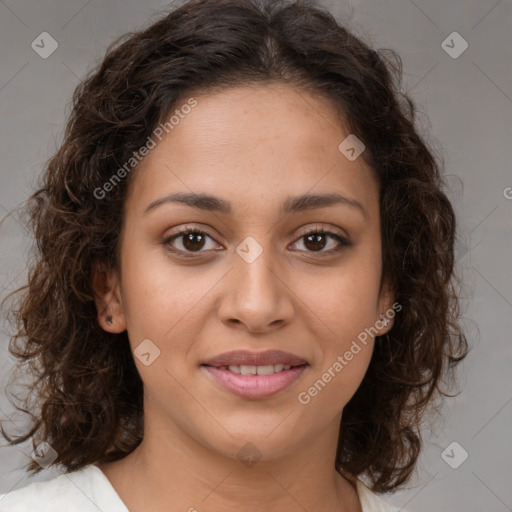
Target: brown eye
x=193 y=241
x=188 y=240
x=316 y=240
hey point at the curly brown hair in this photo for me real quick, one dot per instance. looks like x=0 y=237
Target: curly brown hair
x=84 y=378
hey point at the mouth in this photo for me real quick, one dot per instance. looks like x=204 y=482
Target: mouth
x=254 y=375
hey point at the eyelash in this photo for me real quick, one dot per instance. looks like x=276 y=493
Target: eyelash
x=344 y=242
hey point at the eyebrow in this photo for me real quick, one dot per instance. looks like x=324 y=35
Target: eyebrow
x=291 y=205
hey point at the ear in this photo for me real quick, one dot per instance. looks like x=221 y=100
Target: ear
x=387 y=307
x=107 y=295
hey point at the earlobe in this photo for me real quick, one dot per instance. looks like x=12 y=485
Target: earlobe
x=107 y=296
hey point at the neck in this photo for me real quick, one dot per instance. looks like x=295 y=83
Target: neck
x=172 y=471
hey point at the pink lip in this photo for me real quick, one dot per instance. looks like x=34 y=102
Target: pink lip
x=255 y=386
x=249 y=358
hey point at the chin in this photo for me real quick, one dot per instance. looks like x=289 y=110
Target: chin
x=252 y=437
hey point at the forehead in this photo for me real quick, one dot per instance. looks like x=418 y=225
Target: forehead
x=248 y=143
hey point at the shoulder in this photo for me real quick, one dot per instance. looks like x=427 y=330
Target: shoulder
x=370 y=502
x=87 y=489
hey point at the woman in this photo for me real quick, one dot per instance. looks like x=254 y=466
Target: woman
x=244 y=294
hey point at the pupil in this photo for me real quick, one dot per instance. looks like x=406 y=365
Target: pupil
x=315 y=237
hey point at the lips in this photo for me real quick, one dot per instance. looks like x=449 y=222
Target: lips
x=247 y=358
x=255 y=375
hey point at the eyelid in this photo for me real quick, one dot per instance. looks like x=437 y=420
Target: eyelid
x=321 y=228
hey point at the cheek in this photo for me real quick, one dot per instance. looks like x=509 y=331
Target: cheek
x=347 y=306
x=165 y=304
x=345 y=300
x=154 y=297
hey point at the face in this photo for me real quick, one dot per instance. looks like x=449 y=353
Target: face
x=263 y=272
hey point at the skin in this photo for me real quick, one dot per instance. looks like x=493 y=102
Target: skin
x=243 y=145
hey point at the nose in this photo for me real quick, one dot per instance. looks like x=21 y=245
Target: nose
x=255 y=294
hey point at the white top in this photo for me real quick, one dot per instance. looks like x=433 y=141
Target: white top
x=89 y=490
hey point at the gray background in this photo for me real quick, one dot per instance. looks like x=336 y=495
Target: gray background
x=464 y=103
